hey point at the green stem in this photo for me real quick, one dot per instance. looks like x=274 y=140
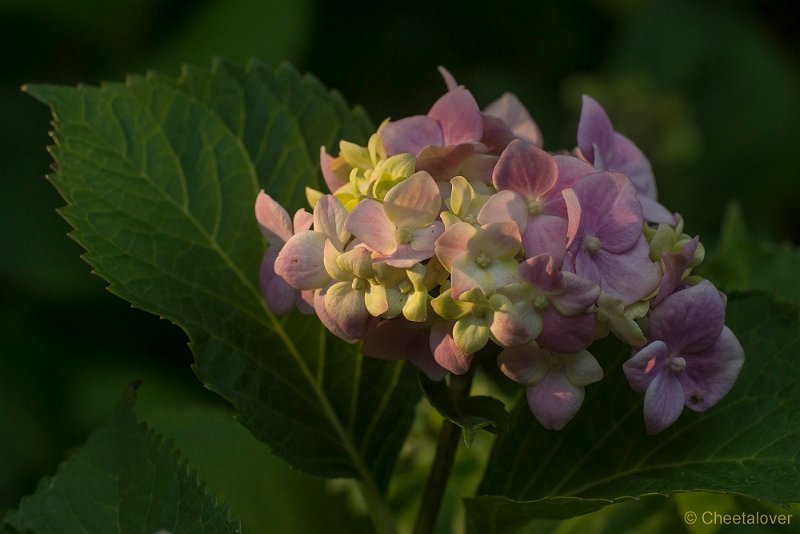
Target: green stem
x=379 y=512
x=446 y=448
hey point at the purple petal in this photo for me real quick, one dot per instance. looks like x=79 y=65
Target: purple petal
x=654 y=212
x=273 y=219
x=690 y=320
x=400 y=339
x=566 y=335
x=335 y=171
x=663 y=402
x=541 y=272
x=325 y=319
x=411 y=135
x=526 y=169
x=300 y=261
x=571 y=169
x=278 y=294
x=445 y=350
x=413 y=203
x=610 y=210
x=630 y=276
x=330 y=218
x=595 y=130
x=555 y=400
x=511 y=328
x=513 y=112
x=496 y=134
x=524 y=365
x=369 y=223
x=577 y=296
x=458 y=115
x=710 y=374
x=347 y=309
x=631 y=162
x=675 y=264
x=645 y=365
x=505 y=206
x=546 y=234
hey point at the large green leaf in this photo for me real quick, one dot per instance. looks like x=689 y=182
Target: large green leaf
x=748 y=444
x=742 y=262
x=160 y=177
x=124 y=479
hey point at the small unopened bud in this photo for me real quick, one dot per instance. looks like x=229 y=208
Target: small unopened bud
x=483 y=260
x=535 y=207
x=591 y=244
x=677 y=364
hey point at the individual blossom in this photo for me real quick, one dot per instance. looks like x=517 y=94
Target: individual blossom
x=482 y=257
x=529 y=183
x=463 y=204
x=692 y=358
x=402 y=230
x=613 y=315
x=678 y=253
x=604 y=238
x=608 y=150
x=565 y=303
x=555 y=382
x=479 y=317
x=277 y=228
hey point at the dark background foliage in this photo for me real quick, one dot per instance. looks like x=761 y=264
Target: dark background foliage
x=710 y=91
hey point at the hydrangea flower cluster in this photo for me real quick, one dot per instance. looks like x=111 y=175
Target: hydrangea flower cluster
x=455 y=229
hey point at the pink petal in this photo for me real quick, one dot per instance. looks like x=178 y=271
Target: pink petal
x=330 y=218
x=554 y=401
x=496 y=133
x=595 y=130
x=445 y=350
x=690 y=320
x=300 y=261
x=663 y=402
x=459 y=116
x=302 y=220
x=272 y=219
x=444 y=162
x=511 y=329
x=413 y=203
x=498 y=240
x=424 y=239
x=329 y=165
x=571 y=169
x=411 y=135
x=369 y=223
x=448 y=78
x=645 y=365
x=453 y=243
x=526 y=169
x=404 y=257
x=505 y=206
x=515 y=114
x=710 y=375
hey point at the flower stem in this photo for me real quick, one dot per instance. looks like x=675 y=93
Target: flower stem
x=446 y=448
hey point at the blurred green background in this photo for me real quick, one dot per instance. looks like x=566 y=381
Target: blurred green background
x=710 y=91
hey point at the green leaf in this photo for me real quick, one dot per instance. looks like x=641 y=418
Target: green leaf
x=742 y=262
x=749 y=444
x=160 y=177
x=124 y=479
x=471 y=413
